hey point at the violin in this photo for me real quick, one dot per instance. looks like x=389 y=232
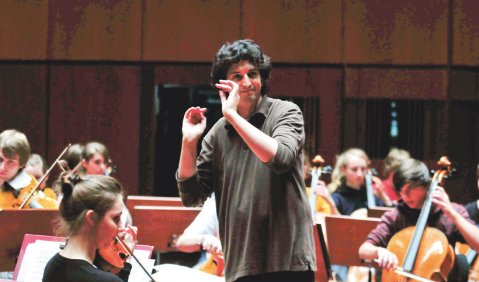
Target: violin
x=215 y=265
x=429 y=257
x=115 y=256
x=317 y=202
x=30 y=192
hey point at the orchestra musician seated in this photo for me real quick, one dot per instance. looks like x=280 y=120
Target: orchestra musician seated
x=15 y=184
x=411 y=182
x=202 y=235
x=37 y=167
x=347 y=190
x=390 y=164
x=90 y=213
x=95 y=159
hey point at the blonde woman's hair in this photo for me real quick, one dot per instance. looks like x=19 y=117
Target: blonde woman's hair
x=341 y=161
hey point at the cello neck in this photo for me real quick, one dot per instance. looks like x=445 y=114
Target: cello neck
x=315 y=175
x=413 y=248
x=369 y=190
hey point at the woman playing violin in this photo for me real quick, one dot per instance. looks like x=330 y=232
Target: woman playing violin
x=15 y=183
x=95 y=158
x=90 y=213
x=411 y=181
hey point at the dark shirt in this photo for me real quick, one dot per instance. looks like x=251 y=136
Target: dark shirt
x=473 y=211
x=348 y=199
x=61 y=269
x=264 y=218
x=402 y=216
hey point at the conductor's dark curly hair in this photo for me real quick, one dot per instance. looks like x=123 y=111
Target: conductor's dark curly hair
x=244 y=49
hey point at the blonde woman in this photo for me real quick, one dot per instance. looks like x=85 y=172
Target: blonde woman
x=347 y=188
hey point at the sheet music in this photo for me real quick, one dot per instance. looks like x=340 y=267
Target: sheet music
x=35 y=259
x=39 y=253
x=137 y=273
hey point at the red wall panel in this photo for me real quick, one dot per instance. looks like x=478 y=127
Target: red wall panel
x=184 y=75
x=98 y=103
x=465 y=32
x=188 y=31
x=295 y=31
x=94 y=30
x=23 y=29
x=23 y=96
x=396 y=83
x=396 y=32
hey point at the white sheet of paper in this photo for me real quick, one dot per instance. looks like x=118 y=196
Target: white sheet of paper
x=35 y=259
x=137 y=273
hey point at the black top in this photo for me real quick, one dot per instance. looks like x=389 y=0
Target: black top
x=473 y=211
x=348 y=199
x=61 y=269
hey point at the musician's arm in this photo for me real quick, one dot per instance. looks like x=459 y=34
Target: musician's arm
x=383 y=256
x=467 y=229
x=196 y=242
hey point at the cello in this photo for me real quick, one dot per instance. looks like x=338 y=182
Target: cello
x=317 y=202
x=429 y=257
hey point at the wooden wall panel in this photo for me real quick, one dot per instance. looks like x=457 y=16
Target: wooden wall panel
x=324 y=83
x=94 y=30
x=23 y=29
x=188 y=31
x=184 y=75
x=465 y=32
x=396 y=32
x=99 y=103
x=464 y=85
x=396 y=83
x=295 y=31
x=23 y=96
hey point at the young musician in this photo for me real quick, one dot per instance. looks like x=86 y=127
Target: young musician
x=95 y=159
x=15 y=183
x=412 y=181
x=201 y=235
x=90 y=213
x=391 y=163
x=252 y=160
x=74 y=155
x=37 y=167
x=348 y=183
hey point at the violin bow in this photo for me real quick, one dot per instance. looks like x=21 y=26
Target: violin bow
x=131 y=254
x=44 y=176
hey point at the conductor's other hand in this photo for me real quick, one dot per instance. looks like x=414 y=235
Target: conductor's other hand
x=194 y=123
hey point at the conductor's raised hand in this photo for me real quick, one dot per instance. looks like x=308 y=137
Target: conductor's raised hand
x=228 y=104
x=194 y=123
